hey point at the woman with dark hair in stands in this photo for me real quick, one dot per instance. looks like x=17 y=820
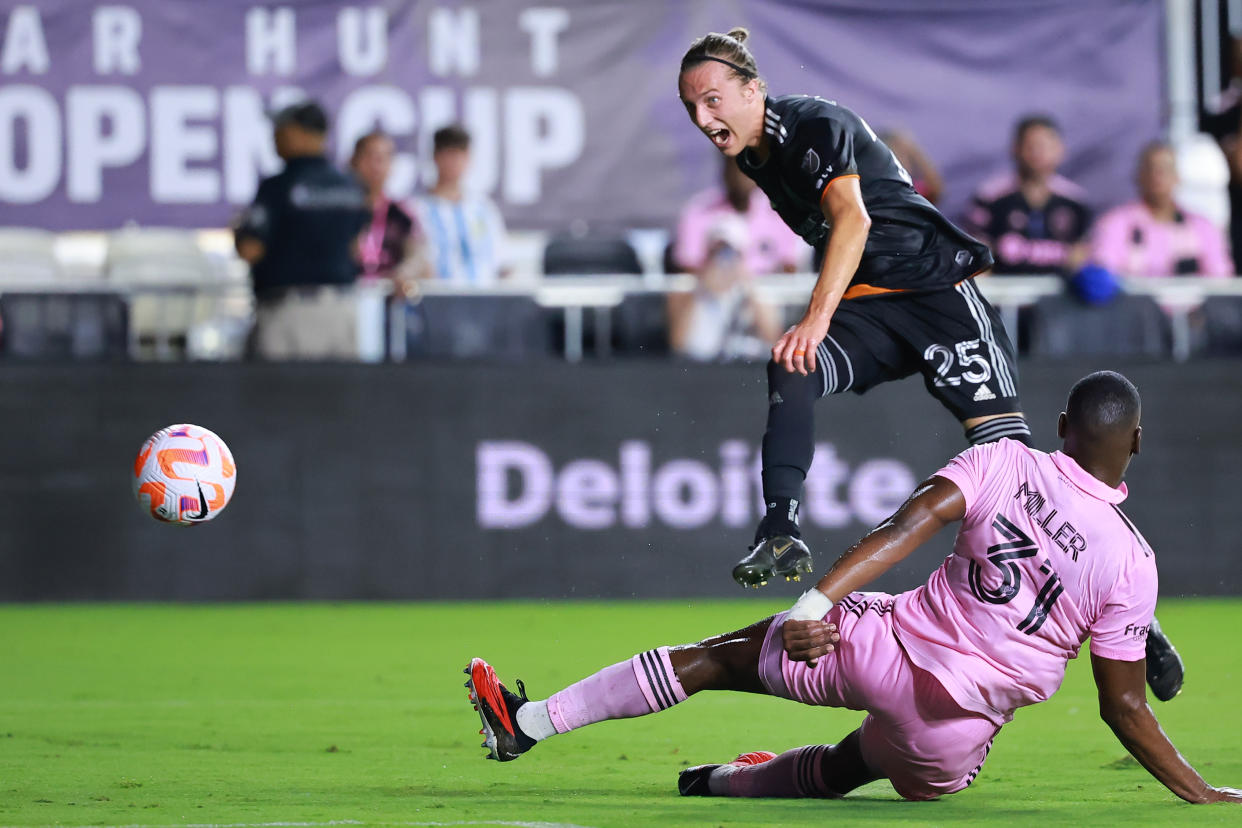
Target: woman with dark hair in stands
x=391 y=245
x=895 y=294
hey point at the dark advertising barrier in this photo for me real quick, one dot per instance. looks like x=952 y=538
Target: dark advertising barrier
x=464 y=480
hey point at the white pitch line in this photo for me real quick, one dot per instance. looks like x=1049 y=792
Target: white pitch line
x=335 y=822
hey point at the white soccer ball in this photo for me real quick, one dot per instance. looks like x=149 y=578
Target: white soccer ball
x=184 y=474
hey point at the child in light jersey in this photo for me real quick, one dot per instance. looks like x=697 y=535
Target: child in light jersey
x=1044 y=558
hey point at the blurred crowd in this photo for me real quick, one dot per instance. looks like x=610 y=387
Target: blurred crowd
x=316 y=235
x=313 y=232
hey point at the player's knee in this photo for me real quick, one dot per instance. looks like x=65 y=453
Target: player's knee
x=784 y=385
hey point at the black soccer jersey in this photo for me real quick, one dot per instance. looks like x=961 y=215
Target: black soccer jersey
x=1030 y=239
x=812 y=142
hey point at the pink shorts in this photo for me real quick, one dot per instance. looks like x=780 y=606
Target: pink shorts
x=915 y=733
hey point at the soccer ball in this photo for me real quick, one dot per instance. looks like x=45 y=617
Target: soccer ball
x=184 y=474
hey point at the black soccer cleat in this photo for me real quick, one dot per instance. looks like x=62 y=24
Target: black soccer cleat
x=1165 y=671
x=780 y=556
x=693 y=781
x=498 y=709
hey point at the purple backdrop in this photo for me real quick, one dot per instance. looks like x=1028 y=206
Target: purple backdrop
x=153 y=111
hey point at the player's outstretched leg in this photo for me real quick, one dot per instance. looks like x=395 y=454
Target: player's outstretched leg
x=649 y=682
x=824 y=771
x=788 y=448
x=1165 y=671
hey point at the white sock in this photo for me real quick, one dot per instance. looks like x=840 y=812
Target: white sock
x=718 y=780
x=534 y=720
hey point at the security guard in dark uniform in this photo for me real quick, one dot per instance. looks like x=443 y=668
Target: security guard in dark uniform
x=299 y=237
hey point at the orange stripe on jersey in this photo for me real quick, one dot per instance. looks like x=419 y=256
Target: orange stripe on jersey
x=856 y=291
x=824 y=194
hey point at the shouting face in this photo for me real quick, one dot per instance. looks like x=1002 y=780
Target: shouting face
x=728 y=110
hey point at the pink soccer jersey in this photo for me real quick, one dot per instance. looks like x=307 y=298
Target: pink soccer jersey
x=1043 y=559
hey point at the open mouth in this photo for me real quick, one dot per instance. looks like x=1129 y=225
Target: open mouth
x=720 y=137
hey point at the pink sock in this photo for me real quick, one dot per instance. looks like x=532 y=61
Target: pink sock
x=793 y=774
x=644 y=684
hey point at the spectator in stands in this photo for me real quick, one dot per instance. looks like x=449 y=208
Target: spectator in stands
x=392 y=246
x=1035 y=220
x=1225 y=124
x=723 y=319
x=465 y=231
x=924 y=175
x=772 y=248
x=1155 y=237
x=299 y=237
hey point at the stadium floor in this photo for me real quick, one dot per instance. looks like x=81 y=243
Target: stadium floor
x=322 y=714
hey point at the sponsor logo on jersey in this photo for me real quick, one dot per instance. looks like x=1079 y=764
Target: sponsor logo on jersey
x=810 y=162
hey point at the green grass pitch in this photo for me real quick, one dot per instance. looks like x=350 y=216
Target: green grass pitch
x=314 y=713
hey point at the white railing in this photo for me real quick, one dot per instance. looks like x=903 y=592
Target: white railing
x=575 y=297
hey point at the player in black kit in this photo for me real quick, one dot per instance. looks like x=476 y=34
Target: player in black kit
x=895 y=294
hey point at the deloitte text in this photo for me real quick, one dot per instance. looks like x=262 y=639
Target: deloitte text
x=517 y=485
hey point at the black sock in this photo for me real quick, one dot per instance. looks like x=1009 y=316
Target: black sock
x=781 y=519
x=789 y=441
x=1012 y=426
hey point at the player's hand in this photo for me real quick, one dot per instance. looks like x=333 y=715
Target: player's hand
x=1225 y=795
x=809 y=641
x=796 y=349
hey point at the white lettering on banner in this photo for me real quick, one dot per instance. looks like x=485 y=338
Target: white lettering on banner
x=820 y=503
x=248 y=149
x=210 y=143
x=117 y=30
x=878 y=488
x=388 y=108
x=362 y=40
x=175 y=143
x=543 y=25
x=271 y=41
x=24 y=44
x=106 y=127
x=36 y=108
x=495 y=460
x=453 y=42
x=482 y=118
x=635 y=471
x=516 y=482
x=587 y=490
x=686 y=494
x=546 y=130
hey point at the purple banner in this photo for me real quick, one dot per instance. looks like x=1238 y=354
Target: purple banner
x=153 y=110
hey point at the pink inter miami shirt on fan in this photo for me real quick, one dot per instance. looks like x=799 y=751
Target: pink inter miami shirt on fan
x=1044 y=558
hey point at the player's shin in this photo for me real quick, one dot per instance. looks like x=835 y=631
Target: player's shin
x=643 y=684
x=788 y=444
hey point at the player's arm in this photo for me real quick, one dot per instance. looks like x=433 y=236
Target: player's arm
x=842 y=204
x=936 y=503
x=1123 y=707
x=254 y=226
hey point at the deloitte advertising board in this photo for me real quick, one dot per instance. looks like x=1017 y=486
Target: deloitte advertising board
x=518 y=485
x=539 y=480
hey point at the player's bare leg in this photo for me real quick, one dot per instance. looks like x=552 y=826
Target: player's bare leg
x=652 y=681
x=1165 y=670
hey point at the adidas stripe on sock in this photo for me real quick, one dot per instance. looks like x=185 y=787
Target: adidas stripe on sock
x=1012 y=426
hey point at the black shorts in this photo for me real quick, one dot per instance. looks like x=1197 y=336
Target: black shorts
x=953 y=337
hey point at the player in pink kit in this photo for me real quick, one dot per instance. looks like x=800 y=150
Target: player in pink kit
x=1044 y=558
